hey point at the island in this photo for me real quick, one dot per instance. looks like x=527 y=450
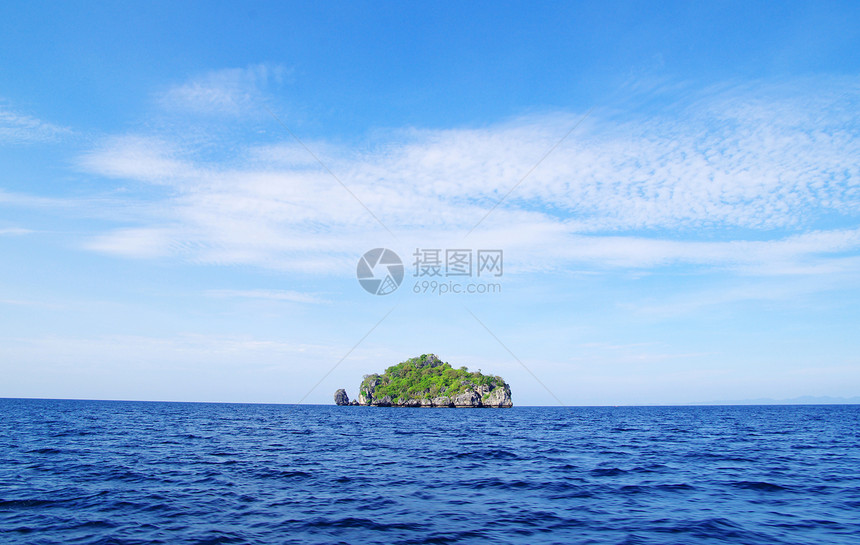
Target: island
x=427 y=381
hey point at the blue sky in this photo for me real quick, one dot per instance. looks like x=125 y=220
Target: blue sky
x=186 y=190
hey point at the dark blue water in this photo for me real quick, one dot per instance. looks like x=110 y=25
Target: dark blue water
x=126 y=472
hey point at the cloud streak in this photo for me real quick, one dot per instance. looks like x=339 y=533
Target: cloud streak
x=269 y=295
x=18 y=128
x=14 y=231
x=230 y=92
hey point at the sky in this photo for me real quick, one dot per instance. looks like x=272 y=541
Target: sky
x=672 y=190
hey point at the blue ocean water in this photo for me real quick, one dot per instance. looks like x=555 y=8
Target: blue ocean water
x=132 y=472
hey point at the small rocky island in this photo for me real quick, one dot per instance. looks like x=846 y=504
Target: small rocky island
x=427 y=381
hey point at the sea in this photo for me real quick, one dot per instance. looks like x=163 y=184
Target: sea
x=119 y=472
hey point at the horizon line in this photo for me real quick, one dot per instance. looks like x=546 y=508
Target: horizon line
x=797 y=401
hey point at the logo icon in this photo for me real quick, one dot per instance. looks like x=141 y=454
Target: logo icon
x=380 y=271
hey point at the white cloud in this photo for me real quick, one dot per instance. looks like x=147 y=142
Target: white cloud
x=149 y=160
x=233 y=91
x=760 y=171
x=271 y=295
x=689 y=170
x=18 y=128
x=772 y=256
x=14 y=231
x=135 y=243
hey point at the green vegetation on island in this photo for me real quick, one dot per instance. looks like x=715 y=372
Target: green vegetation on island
x=427 y=381
x=427 y=377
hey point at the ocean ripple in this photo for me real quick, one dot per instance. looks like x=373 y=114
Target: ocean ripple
x=131 y=473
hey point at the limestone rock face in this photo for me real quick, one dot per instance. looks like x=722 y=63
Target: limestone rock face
x=384 y=402
x=442 y=401
x=365 y=391
x=340 y=397
x=469 y=398
x=500 y=397
x=479 y=396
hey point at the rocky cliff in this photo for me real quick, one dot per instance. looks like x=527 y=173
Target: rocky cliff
x=340 y=398
x=427 y=381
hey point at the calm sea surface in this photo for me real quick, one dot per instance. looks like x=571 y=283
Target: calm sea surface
x=128 y=472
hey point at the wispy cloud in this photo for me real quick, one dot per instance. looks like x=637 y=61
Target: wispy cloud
x=19 y=128
x=22 y=302
x=146 y=159
x=135 y=243
x=759 y=171
x=232 y=91
x=271 y=295
x=786 y=255
x=14 y=231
